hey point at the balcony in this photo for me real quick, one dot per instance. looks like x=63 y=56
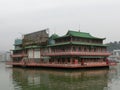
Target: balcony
x=18 y=55
x=77 y=53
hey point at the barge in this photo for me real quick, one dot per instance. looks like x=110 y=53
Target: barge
x=75 y=49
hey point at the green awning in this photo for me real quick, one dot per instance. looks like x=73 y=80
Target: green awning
x=77 y=56
x=45 y=58
x=29 y=47
x=78 y=43
x=91 y=56
x=17 y=49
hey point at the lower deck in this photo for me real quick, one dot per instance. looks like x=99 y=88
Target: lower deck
x=56 y=65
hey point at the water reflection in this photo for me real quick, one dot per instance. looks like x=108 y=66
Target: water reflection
x=114 y=78
x=26 y=79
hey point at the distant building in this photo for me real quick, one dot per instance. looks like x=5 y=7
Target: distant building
x=116 y=52
x=115 y=56
x=2 y=56
x=5 y=56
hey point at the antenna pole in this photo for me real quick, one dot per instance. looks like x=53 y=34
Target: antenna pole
x=79 y=28
x=48 y=31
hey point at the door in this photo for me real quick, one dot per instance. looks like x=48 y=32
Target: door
x=36 y=53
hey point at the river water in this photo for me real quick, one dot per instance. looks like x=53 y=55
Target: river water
x=44 y=79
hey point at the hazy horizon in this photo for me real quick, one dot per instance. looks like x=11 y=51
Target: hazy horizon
x=100 y=18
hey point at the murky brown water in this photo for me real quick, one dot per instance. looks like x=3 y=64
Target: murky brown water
x=43 y=79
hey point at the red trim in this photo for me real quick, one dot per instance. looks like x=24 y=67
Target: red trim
x=86 y=65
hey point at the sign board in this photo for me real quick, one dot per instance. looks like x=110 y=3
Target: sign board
x=36 y=38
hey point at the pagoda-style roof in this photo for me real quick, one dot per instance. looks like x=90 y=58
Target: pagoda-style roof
x=80 y=34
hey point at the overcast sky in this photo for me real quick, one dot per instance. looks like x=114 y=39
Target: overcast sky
x=101 y=18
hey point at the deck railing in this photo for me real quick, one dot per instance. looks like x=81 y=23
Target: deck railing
x=18 y=55
x=77 y=53
x=69 y=65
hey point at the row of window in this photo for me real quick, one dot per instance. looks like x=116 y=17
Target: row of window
x=79 y=40
x=86 y=49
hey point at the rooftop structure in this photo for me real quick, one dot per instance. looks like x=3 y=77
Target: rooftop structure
x=36 y=38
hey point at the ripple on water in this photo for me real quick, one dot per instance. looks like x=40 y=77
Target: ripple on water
x=43 y=79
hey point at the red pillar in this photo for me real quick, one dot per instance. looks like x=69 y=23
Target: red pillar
x=70 y=60
x=60 y=60
x=107 y=62
x=66 y=61
x=76 y=61
x=82 y=62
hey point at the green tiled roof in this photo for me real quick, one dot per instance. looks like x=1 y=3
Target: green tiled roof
x=18 y=42
x=92 y=44
x=54 y=36
x=28 y=47
x=78 y=43
x=91 y=57
x=59 y=44
x=17 y=49
x=80 y=34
